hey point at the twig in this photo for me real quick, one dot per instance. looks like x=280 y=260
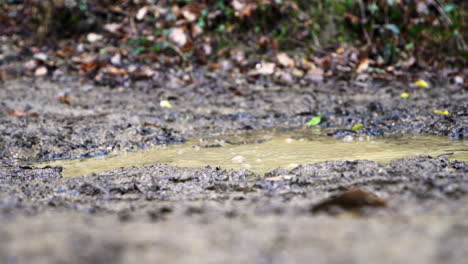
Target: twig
x=445 y=154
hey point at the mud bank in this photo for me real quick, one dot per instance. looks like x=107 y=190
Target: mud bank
x=172 y=214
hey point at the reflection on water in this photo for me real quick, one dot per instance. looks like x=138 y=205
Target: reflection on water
x=263 y=153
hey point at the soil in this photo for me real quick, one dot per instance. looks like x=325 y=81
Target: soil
x=168 y=214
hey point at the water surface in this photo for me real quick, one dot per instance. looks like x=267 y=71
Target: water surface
x=263 y=153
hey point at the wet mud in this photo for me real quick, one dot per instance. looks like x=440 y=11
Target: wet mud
x=411 y=209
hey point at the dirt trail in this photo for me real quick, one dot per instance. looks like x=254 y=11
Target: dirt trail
x=163 y=214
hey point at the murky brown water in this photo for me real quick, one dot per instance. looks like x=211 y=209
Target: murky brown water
x=273 y=151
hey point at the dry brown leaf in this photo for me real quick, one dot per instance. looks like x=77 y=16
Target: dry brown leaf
x=352 y=199
x=84 y=58
x=285 y=60
x=113 y=27
x=189 y=15
x=41 y=71
x=64 y=99
x=178 y=37
x=150 y=124
x=196 y=30
x=144 y=72
x=93 y=37
x=363 y=65
x=298 y=73
x=115 y=71
x=41 y=56
x=65 y=52
x=89 y=67
x=141 y=13
x=307 y=65
x=21 y=113
x=264 y=68
x=407 y=63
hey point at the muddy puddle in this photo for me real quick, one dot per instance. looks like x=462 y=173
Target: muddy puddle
x=263 y=153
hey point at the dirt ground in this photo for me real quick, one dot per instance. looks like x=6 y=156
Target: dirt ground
x=166 y=214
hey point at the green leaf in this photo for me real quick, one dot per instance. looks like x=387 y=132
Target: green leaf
x=222 y=28
x=314 y=120
x=449 y=8
x=373 y=8
x=220 y=4
x=204 y=12
x=201 y=23
x=83 y=5
x=393 y=28
x=138 y=50
x=409 y=46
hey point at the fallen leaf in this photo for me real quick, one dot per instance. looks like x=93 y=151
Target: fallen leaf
x=41 y=71
x=116 y=59
x=178 y=36
x=265 y=68
x=40 y=56
x=298 y=73
x=93 y=37
x=285 y=60
x=242 y=8
x=363 y=66
x=238 y=5
x=65 y=52
x=115 y=71
x=314 y=120
x=421 y=84
x=351 y=199
x=458 y=80
x=407 y=63
x=165 y=104
x=196 y=30
x=142 y=13
x=150 y=124
x=21 y=113
x=144 y=72
x=405 y=95
x=357 y=127
x=64 y=99
x=84 y=58
x=307 y=65
x=189 y=15
x=89 y=67
x=112 y=27
x=440 y=112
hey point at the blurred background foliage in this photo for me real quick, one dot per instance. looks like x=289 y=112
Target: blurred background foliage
x=384 y=30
